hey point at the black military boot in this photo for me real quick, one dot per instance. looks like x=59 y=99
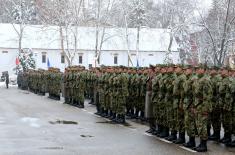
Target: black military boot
x=110 y=115
x=114 y=117
x=215 y=136
x=227 y=138
x=181 y=139
x=202 y=147
x=98 y=111
x=164 y=133
x=107 y=114
x=158 y=131
x=173 y=136
x=136 y=115
x=132 y=113
x=102 y=112
x=152 y=126
x=191 y=143
x=128 y=112
x=117 y=119
x=142 y=118
x=121 y=119
x=231 y=144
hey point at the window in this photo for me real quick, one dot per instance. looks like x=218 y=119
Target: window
x=90 y=66
x=80 y=59
x=4 y=51
x=62 y=58
x=115 y=60
x=44 y=57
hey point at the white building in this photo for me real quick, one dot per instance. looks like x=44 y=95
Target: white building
x=45 y=43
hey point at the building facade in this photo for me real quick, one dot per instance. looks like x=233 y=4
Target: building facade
x=45 y=43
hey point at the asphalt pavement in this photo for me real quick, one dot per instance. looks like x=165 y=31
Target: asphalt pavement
x=36 y=125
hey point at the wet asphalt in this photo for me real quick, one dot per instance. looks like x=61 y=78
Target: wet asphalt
x=36 y=125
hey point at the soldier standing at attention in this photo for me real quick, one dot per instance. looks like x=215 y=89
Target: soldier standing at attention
x=215 y=114
x=149 y=110
x=188 y=105
x=178 y=93
x=225 y=104
x=203 y=93
x=7 y=80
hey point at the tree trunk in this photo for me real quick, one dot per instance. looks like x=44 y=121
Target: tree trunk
x=62 y=45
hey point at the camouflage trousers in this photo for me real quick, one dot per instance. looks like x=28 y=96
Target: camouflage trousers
x=162 y=113
x=190 y=122
x=130 y=103
x=155 y=110
x=140 y=103
x=107 y=101
x=121 y=104
x=215 y=118
x=101 y=99
x=180 y=123
x=171 y=114
x=202 y=116
x=227 y=120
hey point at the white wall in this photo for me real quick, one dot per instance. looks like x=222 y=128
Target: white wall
x=7 y=60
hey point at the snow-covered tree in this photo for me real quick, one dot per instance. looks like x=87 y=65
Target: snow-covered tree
x=218 y=32
x=22 y=13
x=26 y=59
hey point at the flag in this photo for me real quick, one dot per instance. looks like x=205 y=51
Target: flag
x=137 y=64
x=17 y=61
x=48 y=63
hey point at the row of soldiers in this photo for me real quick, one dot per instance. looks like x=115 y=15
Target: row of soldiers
x=192 y=100
x=175 y=99
x=41 y=81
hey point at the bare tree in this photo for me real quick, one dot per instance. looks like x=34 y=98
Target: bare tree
x=219 y=30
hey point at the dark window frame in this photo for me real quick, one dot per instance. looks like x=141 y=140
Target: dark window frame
x=44 y=58
x=115 y=59
x=80 y=59
x=62 y=58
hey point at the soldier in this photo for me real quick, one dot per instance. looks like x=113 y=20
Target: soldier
x=162 y=104
x=149 y=111
x=203 y=95
x=178 y=92
x=215 y=115
x=7 y=79
x=142 y=93
x=156 y=98
x=188 y=105
x=170 y=109
x=226 y=106
x=122 y=94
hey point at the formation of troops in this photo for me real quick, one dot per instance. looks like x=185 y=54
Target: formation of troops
x=175 y=100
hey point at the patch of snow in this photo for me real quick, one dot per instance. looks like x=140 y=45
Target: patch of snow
x=31 y=121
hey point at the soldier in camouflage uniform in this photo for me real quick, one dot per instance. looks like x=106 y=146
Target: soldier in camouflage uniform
x=121 y=80
x=170 y=109
x=162 y=105
x=178 y=92
x=203 y=106
x=226 y=105
x=188 y=106
x=215 y=115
